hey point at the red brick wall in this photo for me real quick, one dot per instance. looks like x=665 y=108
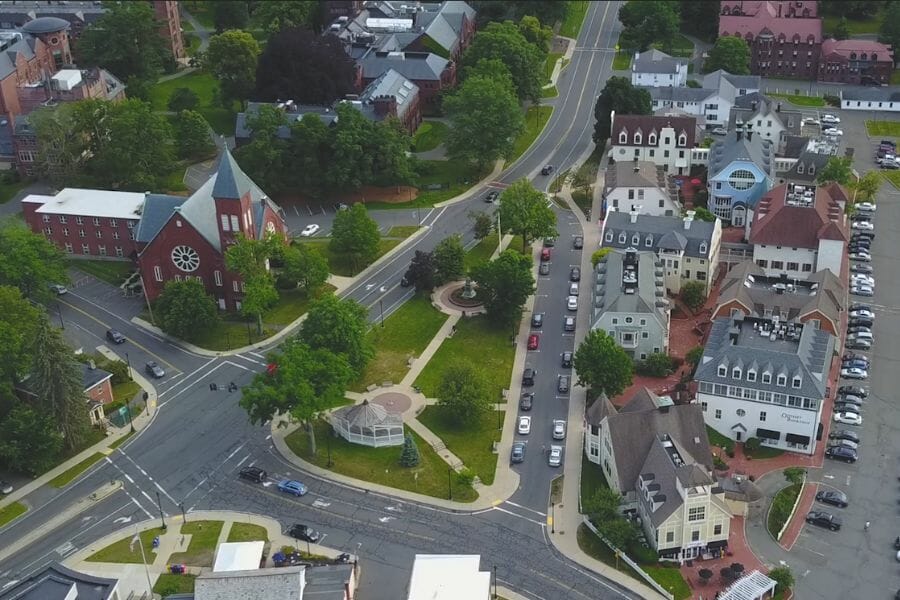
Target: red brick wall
x=102 y=392
x=65 y=229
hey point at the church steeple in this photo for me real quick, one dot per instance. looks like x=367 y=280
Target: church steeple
x=231 y=182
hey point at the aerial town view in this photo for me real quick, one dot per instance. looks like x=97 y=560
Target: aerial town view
x=449 y=300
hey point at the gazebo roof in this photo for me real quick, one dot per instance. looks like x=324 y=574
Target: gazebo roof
x=367 y=415
x=749 y=587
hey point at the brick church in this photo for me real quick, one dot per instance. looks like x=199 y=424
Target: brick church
x=169 y=237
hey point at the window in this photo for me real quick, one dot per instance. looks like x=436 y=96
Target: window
x=682 y=140
x=81 y=233
x=96 y=221
x=718 y=413
x=68 y=248
x=662 y=203
x=751 y=375
x=762 y=416
x=623 y=138
x=113 y=223
x=615 y=321
x=704 y=406
x=651 y=139
x=762 y=263
x=782 y=380
x=777 y=264
x=85 y=249
x=629 y=320
x=792 y=266
x=703 y=247
x=812 y=169
x=652 y=153
x=670 y=537
x=681 y=154
x=643 y=322
x=648 y=241
x=65 y=231
x=99 y=234
x=225 y=223
x=609 y=236
x=741 y=179
x=622 y=238
x=701 y=275
x=643 y=356
x=235 y=224
x=696 y=513
x=638 y=138
x=119 y=252
x=807 y=267
x=234 y=286
x=723 y=371
x=766 y=377
x=717 y=530
x=736 y=373
x=635 y=240
x=79 y=220
x=741 y=412
x=63 y=219
x=157 y=273
x=695 y=535
x=796 y=382
x=631 y=194
x=640 y=194
x=102 y=250
x=48 y=230
x=645 y=335
x=217 y=275
x=665 y=154
x=115 y=235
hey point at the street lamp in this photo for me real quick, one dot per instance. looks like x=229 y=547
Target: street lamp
x=162 y=516
x=328 y=441
x=59 y=312
x=128 y=363
x=381 y=306
x=552 y=517
x=130 y=418
x=449 y=483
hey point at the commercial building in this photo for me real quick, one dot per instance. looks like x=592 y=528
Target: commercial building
x=639 y=185
x=871 y=99
x=741 y=169
x=663 y=141
x=448 y=577
x=56 y=582
x=712 y=102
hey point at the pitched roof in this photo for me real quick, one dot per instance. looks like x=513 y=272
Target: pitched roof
x=759 y=106
x=645 y=295
x=678 y=94
x=390 y=83
x=807 y=167
x=423 y=66
x=654 y=61
x=846 y=47
x=634 y=174
x=231 y=182
x=283 y=583
x=871 y=94
x=660 y=230
x=781 y=220
x=647 y=124
x=726 y=151
x=8 y=56
x=56 y=582
x=367 y=415
x=767 y=22
x=91 y=377
x=729 y=86
x=795 y=146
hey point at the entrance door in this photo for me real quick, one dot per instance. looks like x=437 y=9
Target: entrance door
x=737 y=435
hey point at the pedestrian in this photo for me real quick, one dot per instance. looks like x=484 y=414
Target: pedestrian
x=867 y=525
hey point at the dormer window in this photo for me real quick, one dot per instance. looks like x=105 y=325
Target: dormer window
x=703 y=247
x=609 y=236
x=781 y=381
x=623 y=137
x=635 y=240
x=622 y=238
x=648 y=241
x=736 y=373
x=638 y=138
x=723 y=371
x=651 y=139
x=812 y=169
x=751 y=375
x=800 y=168
x=796 y=382
x=682 y=140
x=766 y=377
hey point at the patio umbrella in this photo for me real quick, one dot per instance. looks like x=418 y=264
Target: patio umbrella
x=726 y=573
x=737 y=568
x=696 y=182
x=705 y=574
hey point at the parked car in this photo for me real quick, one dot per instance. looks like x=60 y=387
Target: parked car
x=864 y=225
x=833 y=497
x=554 y=459
x=859 y=306
x=857 y=344
x=526 y=401
x=5 y=487
x=869 y=235
x=847 y=407
x=253 y=474
x=58 y=289
x=549 y=242
x=890 y=165
x=861 y=256
x=861 y=322
x=545 y=254
x=847 y=455
x=562 y=384
x=867 y=269
x=859 y=329
x=405 y=281
x=578 y=243
x=865 y=206
x=859 y=364
x=862 y=279
x=811 y=121
x=823 y=519
x=575 y=274
x=865 y=291
x=544 y=268
x=847 y=444
x=851 y=399
x=537 y=320
x=860 y=246
x=534 y=341
x=720 y=131
x=291 y=486
x=154 y=369
x=573 y=288
x=844 y=434
x=854 y=373
x=528 y=376
x=862 y=314
x=834 y=132
x=547 y=170
x=890 y=143
x=566 y=361
x=517 y=454
x=524 y=427
x=854 y=390
x=304 y=532
x=848 y=418
x=572 y=302
x=828 y=118
x=569 y=323
x=309 y=230
x=559 y=429
x=115 y=337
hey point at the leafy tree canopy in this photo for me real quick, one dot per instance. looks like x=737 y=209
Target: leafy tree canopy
x=449 y=259
x=524 y=211
x=620 y=96
x=339 y=326
x=185 y=309
x=463 y=392
x=505 y=284
x=505 y=41
x=229 y=15
x=731 y=54
x=602 y=365
x=839 y=169
x=354 y=234
x=647 y=22
x=28 y=261
x=231 y=58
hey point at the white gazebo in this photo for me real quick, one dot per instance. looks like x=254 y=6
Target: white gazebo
x=753 y=586
x=368 y=425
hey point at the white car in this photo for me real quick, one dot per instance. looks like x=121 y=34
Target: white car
x=309 y=230
x=554 y=459
x=861 y=256
x=720 y=131
x=863 y=225
x=572 y=302
x=862 y=314
x=848 y=418
x=852 y=373
x=58 y=289
x=866 y=291
x=524 y=425
x=559 y=429
x=830 y=119
x=864 y=206
x=862 y=278
x=834 y=133
x=810 y=121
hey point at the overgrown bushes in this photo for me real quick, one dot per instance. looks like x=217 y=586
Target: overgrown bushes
x=781 y=508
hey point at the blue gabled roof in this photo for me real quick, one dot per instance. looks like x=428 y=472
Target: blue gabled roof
x=231 y=183
x=156 y=212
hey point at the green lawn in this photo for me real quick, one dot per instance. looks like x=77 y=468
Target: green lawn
x=575 y=12
x=494 y=356
x=472 y=443
x=801 y=100
x=192 y=42
x=450 y=178
x=173 y=181
x=895 y=77
x=204 y=85
x=763 y=452
x=429 y=136
x=125 y=392
x=893 y=177
x=481 y=252
x=169 y=583
x=584 y=199
x=552 y=57
x=549 y=92
x=380 y=465
x=594 y=547
x=338 y=263
x=12 y=511
x=401 y=231
x=247 y=532
x=407 y=332
x=71 y=473
x=622 y=61
x=670 y=578
x=112 y=272
x=535 y=119
x=717 y=439
x=781 y=507
x=10 y=189
x=202 y=11
x=121 y=552
x=681 y=47
x=883 y=128
x=202 y=547
x=592 y=479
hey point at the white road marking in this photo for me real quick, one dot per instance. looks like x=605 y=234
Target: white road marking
x=518 y=516
x=385 y=519
x=242 y=461
x=256 y=362
x=319 y=503
x=537 y=512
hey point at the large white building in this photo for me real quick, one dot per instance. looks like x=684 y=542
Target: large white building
x=639 y=185
x=448 y=577
x=662 y=140
x=657 y=69
x=765 y=379
x=713 y=101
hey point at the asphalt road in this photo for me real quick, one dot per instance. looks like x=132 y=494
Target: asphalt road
x=189 y=455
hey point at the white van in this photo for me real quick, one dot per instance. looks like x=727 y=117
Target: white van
x=573 y=289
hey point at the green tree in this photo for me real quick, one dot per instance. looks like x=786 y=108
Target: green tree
x=30 y=441
x=602 y=365
x=598 y=255
x=185 y=309
x=620 y=96
x=700 y=19
x=463 y=393
x=354 y=235
x=63 y=143
x=421 y=272
x=619 y=532
x=57 y=383
x=694 y=355
x=305 y=266
x=275 y=15
x=505 y=284
x=889 y=33
x=231 y=58
x=657 y=364
x=493 y=69
x=184 y=98
x=192 y=135
x=309 y=151
x=524 y=211
x=783 y=577
x=304 y=383
x=28 y=261
x=18 y=324
x=230 y=15
x=126 y=41
x=866 y=188
x=250 y=258
x=263 y=158
x=449 y=259
x=693 y=294
x=841 y=30
x=704 y=214
x=482 y=224
x=731 y=54
x=480 y=105
x=795 y=475
x=409 y=456
x=839 y=169
x=504 y=41
x=339 y=326
x=647 y=22
x=536 y=34
x=603 y=504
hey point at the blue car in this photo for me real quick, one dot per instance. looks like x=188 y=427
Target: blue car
x=289 y=486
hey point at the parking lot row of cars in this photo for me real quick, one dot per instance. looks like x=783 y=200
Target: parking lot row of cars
x=886 y=155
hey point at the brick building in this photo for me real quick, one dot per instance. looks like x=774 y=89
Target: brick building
x=431 y=73
x=169 y=18
x=856 y=62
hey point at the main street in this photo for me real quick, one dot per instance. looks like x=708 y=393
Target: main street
x=189 y=455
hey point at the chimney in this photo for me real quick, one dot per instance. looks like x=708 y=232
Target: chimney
x=778 y=107
x=688 y=219
x=739 y=132
x=749 y=134
x=753 y=106
x=633 y=214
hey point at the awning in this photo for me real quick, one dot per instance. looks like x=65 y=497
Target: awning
x=768 y=434
x=717 y=544
x=793 y=438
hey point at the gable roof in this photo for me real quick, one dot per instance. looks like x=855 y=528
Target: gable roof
x=729 y=86
x=91 y=377
x=660 y=470
x=780 y=222
x=8 y=56
x=390 y=83
x=647 y=124
x=766 y=22
x=647 y=295
x=423 y=66
x=56 y=582
x=678 y=94
x=760 y=106
x=655 y=61
x=871 y=94
x=807 y=167
x=726 y=151
x=640 y=173
x=846 y=47
x=662 y=232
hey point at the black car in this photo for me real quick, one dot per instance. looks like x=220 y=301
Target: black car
x=842 y=407
x=860 y=306
x=517 y=454
x=528 y=376
x=858 y=235
x=844 y=434
x=566 y=360
x=850 y=398
x=549 y=242
x=861 y=362
x=254 y=474
x=853 y=389
x=115 y=337
x=859 y=245
x=848 y=455
x=861 y=322
x=575 y=274
x=526 y=401
x=823 y=519
x=154 y=369
x=834 y=498
x=569 y=324
x=578 y=244
x=491 y=196
x=303 y=532
x=547 y=170
x=537 y=320
x=404 y=281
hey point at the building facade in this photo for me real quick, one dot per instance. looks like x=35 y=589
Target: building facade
x=873 y=99
x=765 y=379
x=629 y=302
x=663 y=141
x=688 y=249
x=856 y=62
x=657 y=69
x=770 y=119
x=741 y=169
x=640 y=186
x=431 y=73
x=712 y=102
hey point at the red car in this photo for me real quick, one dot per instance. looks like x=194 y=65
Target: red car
x=533 y=341
x=545 y=254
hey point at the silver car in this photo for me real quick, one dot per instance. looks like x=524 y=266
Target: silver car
x=559 y=429
x=554 y=459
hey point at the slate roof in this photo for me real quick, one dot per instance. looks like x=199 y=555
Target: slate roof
x=647 y=124
x=766 y=108
x=665 y=473
x=809 y=357
x=635 y=174
x=422 y=66
x=778 y=223
x=760 y=296
x=795 y=146
x=8 y=57
x=367 y=415
x=283 y=583
x=654 y=61
x=610 y=295
x=726 y=151
x=678 y=94
x=728 y=85
x=846 y=47
x=327 y=582
x=663 y=231
x=811 y=163
x=91 y=377
x=390 y=83
x=55 y=582
x=871 y=94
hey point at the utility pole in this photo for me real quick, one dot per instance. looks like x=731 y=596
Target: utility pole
x=59 y=312
x=162 y=516
x=449 y=483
